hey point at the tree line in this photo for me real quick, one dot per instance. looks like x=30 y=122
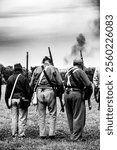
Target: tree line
x=8 y=71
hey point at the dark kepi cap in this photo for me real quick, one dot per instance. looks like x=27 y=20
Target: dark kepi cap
x=77 y=61
x=46 y=58
x=17 y=67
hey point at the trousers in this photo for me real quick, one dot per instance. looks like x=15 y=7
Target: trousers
x=18 y=119
x=76 y=113
x=47 y=99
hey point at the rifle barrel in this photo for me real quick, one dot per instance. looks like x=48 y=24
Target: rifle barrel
x=27 y=64
x=51 y=56
x=82 y=59
x=89 y=102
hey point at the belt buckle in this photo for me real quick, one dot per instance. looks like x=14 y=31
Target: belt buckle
x=68 y=90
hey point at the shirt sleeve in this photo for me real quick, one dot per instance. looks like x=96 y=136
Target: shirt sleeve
x=36 y=71
x=58 y=77
x=28 y=93
x=54 y=75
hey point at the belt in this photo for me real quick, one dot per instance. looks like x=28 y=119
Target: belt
x=73 y=89
x=45 y=87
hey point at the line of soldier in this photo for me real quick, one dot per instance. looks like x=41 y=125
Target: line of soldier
x=46 y=81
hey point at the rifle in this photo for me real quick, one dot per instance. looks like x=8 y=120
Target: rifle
x=82 y=59
x=50 y=56
x=27 y=65
x=60 y=94
x=89 y=102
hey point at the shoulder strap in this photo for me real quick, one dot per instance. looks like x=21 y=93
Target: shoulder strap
x=39 y=80
x=14 y=85
x=74 y=79
x=48 y=79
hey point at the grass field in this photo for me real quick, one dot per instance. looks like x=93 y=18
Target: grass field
x=61 y=142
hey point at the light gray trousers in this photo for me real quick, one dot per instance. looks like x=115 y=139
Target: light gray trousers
x=47 y=99
x=18 y=119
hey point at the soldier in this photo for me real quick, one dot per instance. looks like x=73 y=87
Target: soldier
x=96 y=82
x=19 y=110
x=75 y=81
x=46 y=95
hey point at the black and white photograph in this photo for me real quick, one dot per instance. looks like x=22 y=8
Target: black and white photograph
x=50 y=74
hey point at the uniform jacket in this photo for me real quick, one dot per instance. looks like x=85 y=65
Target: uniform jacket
x=53 y=75
x=22 y=88
x=80 y=76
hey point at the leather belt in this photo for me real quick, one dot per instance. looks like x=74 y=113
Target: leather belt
x=75 y=89
x=68 y=90
x=42 y=89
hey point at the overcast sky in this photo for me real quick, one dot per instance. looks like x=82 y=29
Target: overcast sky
x=33 y=25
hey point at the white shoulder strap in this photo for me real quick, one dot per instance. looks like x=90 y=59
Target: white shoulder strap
x=39 y=80
x=41 y=75
x=14 y=86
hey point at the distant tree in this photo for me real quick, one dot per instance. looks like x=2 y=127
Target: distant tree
x=90 y=72
x=96 y=2
x=7 y=72
x=62 y=73
x=32 y=69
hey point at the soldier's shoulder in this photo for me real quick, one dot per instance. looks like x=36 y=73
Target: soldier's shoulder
x=51 y=67
x=37 y=69
x=11 y=77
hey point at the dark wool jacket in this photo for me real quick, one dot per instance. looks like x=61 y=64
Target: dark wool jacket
x=22 y=88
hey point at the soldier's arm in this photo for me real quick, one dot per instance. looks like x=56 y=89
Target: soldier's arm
x=96 y=78
x=61 y=88
x=35 y=73
x=28 y=91
x=85 y=78
x=8 y=91
x=52 y=71
x=32 y=78
x=87 y=87
x=58 y=77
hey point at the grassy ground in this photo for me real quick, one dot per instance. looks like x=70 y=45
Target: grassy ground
x=32 y=141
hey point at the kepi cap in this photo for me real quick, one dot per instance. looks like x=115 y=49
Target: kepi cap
x=17 y=67
x=77 y=61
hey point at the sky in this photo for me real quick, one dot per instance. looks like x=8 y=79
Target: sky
x=34 y=25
